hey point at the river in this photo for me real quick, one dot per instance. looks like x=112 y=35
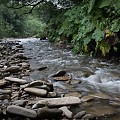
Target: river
x=89 y=75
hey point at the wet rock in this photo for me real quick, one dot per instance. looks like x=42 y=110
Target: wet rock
x=36 y=91
x=2 y=83
x=87 y=98
x=59 y=73
x=63 y=78
x=79 y=115
x=2 y=91
x=46 y=113
x=17 y=110
x=75 y=94
x=42 y=68
x=20 y=102
x=115 y=103
x=66 y=112
x=53 y=102
x=100 y=96
x=16 y=80
x=13 y=69
x=89 y=117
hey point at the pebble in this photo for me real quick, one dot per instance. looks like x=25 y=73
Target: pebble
x=36 y=91
x=16 y=80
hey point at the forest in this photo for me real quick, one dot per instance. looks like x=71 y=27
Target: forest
x=89 y=26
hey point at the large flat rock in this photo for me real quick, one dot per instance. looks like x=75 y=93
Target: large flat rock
x=54 y=102
x=16 y=80
x=17 y=110
x=36 y=91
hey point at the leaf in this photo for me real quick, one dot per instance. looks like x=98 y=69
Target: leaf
x=105 y=48
x=115 y=26
x=92 y=3
x=86 y=40
x=103 y=3
x=97 y=35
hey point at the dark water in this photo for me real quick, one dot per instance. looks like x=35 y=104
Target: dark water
x=97 y=76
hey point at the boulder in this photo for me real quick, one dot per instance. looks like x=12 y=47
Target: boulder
x=55 y=102
x=36 y=91
x=17 y=110
x=46 y=113
x=16 y=80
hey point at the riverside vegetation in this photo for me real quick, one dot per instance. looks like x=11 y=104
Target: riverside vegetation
x=89 y=26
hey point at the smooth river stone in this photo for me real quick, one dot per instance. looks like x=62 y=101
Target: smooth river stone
x=16 y=80
x=55 y=102
x=2 y=91
x=2 y=83
x=13 y=69
x=36 y=91
x=17 y=110
x=66 y=112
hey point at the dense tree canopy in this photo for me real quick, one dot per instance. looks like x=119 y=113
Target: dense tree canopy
x=90 y=26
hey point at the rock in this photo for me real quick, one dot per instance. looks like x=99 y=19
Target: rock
x=46 y=113
x=42 y=68
x=25 y=65
x=115 y=103
x=36 y=83
x=75 y=94
x=16 y=80
x=59 y=73
x=2 y=97
x=54 y=102
x=63 y=78
x=79 y=115
x=66 y=112
x=100 y=96
x=20 y=102
x=17 y=110
x=44 y=87
x=52 y=94
x=36 y=91
x=89 y=117
x=18 y=55
x=87 y=98
x=13 y=69
x=2 y=91
x=2 y=83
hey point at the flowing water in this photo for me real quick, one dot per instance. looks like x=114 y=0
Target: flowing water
x=97 y=76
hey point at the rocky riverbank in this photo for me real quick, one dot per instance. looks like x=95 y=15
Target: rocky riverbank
x=21 y=99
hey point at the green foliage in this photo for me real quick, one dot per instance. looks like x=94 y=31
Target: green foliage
x=33 y=27
x=87 y=22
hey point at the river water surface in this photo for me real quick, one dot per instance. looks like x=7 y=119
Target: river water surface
x=97 y=76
